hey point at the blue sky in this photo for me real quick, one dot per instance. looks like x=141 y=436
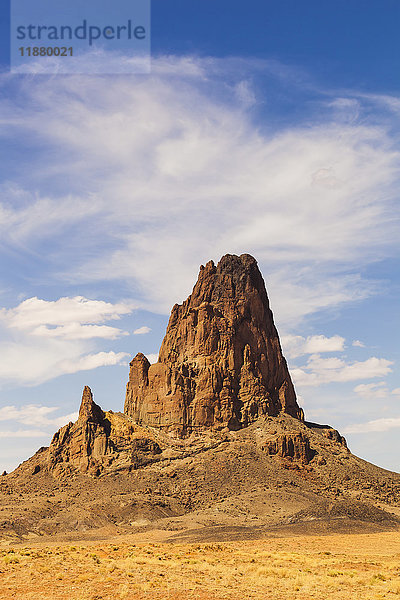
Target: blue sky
x=270 y=128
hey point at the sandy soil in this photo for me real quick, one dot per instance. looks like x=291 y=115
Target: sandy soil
x=297 y=567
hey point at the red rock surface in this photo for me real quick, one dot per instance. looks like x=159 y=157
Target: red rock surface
x=99 y=441
x=293 y=445
x=220 y=363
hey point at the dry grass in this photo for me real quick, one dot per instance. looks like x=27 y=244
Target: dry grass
x=329 y=567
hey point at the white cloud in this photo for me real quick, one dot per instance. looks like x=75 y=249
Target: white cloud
x=245 y=93
x=142 y=330
x=373 y=391
x=296 y=345
x=91 y=361
x=347 y=109
x=325 y=178
x=76 y=331
x=64 y=419
x=315 y=197
x=358 y=344
x=35 y=415
x=45 y=339
x=320 y=371
x=376 y=425
x=27 y=217
x=28 y=415
x=66 y=316
x=152 y=358
x=24 y=433
x=296 y=295
x=29 y=362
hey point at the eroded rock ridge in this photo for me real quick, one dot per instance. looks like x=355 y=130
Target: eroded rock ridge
x=99 y=441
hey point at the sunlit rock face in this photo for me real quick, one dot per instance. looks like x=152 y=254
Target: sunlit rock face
x=220 y=363
x=99 y=442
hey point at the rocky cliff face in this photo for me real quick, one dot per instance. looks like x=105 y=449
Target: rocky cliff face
x=293 y=445
x=220 y=364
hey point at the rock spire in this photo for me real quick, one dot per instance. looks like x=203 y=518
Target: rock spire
x=220 y=363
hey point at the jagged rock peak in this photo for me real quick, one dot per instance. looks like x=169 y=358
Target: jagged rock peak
x=89 y=410
x=99 y=442
x=232 y=280
x=220 y=363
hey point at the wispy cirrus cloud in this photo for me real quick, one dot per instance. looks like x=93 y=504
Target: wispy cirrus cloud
x=170 y=170
x=190 y=170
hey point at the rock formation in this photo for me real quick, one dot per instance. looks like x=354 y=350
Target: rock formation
x=99 y=440
x=220 y=364
x=295 y=445
x=217 y=428
x=220 y=368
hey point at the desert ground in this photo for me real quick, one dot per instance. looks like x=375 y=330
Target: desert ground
x=345 y=567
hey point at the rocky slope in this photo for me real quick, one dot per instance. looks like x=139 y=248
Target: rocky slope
x=212 y=440
x=278 y=475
